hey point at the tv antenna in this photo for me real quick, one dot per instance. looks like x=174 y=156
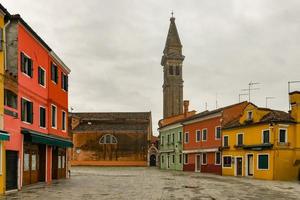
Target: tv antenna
x=250 y=88
x=267 y=99
x=242 y=95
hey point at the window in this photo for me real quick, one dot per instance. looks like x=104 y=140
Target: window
x=186 y=158
x=171 y=70
x=180 y=136
x=27 y=111
x=41 y=76
x=26 y=161
x=186 y=137
x=198 y=135
x=177 y=70
x=250 y=115
x=180 y=158
x=64 y=82
x=204 y=159
x=53 y=116
x=204 y=134
x=54 y=73
x=64 y=120
x=263 y=161
x=282 y=136
x=266 y=137
x=217 y=158
x=168 y=139
x=225 y=141
x=227 y=161
x=173 y=138
x=173 y=158
x=240 y=138
x=26 y=65
x=162 y=158
x=218 y=133
x=108 y=139
x=162 y=140
x=10 y=99
x=42 y=117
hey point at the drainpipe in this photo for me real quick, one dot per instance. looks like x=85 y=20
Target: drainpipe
x=4 y=46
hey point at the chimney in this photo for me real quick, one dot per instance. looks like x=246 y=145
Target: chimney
x=295 y=105
x=186 y=107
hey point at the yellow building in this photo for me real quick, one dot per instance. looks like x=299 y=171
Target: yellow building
x=3 y=135
x=263 y=143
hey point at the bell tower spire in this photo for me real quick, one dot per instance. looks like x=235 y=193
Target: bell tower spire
x=172 y=66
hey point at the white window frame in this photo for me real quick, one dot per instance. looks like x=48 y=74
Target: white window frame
x=202 y=163
x=188 y=137
x=64 y=74
x=237 y=138
x=203 y=134
x=31 y=66
x=224 y=140
x=64 y=130
x=216 y=158
x=45 y=117
x=216 y=128
x=44 y=86
x=25 y=122
x=51 y=73
x=262 y=136
x=186 y=159
x=257 y=167
x=286 y=136
x=197 y=137
x=55 y=127
x=224 y=162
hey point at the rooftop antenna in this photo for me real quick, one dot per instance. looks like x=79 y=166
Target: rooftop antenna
x=249 y=89
x=216 y=100
x=172 y=13
x=289 y=90
x=268 y=98
x=243 y=94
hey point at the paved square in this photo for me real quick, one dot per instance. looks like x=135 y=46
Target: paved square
x=151 y=183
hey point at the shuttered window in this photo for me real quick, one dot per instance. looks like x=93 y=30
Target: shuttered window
x=227 y=161
x=53 y=116
x=42 y=117
x=225 y=141
x=204 y=159
x=26 y=65
x=41 y=76
x=204 y=134
x=10 y=99
x=27 y=111
x=64 y=81
x=282 y=136
x=266 y=136
x=63 y=125
x=54 y=73
x=218 y=132
x=240 y=139
x=198 y=135
x=263 y=162
x=217 y=158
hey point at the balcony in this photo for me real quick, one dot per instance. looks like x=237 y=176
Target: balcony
x=258 y=147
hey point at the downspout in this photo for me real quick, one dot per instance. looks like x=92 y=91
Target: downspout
x=4 y=46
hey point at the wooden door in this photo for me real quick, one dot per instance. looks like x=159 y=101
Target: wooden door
x=34 y=166
x=26 y=167
x=11 y=170
x=239 y=166
x=250 y=165
x=30 y=164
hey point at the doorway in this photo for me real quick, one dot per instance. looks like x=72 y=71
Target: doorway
x=11 y=170
x=239 y=166
x=152 y=160
x=31 y=164
x=198 y=163
x=250 y=164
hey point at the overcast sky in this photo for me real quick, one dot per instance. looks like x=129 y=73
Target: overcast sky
x=114 y=49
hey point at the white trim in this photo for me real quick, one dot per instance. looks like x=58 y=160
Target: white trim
x=216 y=158
x=224 y=162
x=286 y=135
x=21 y=64
x=257 y=165
x=169 y=127
x=40 y=117
x=262 y=135
x=25 y=122
x=246 y=165
x=200 y=150
x=210 y=116
x=216 y=128
x=188 y=134
x=63 y=130
x=166 y=151
x=54 y=127
x=235 y=165
x=203 y=134
x=43 y=86
x=196 y=160
x=237 y=138
x=62 y=82
x=197 y=135
x=56 y=58
x=224 y=140
x=203 y=159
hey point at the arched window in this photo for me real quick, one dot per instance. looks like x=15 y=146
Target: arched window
x=108 y=139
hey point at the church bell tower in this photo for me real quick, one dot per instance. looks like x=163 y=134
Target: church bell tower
x=172 y=64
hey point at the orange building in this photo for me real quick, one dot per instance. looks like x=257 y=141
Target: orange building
x=202 y=138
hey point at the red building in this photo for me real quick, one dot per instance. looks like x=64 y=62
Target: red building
x=202 y=138
x=35 y=108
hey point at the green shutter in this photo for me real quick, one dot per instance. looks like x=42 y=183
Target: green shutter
x=263 y=162
x=22 y=62
x=23 y=105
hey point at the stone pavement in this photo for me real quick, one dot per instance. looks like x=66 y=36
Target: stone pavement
x=150 y=183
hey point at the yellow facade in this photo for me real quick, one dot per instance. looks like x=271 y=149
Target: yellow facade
x=282 y=157
x=2 y=154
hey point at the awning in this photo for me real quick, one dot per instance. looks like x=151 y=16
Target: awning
x=41 y=138
x=4 y=135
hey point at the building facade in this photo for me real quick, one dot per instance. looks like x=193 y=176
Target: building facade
x=263 y=143
x=111 y=139
x=202 y=138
